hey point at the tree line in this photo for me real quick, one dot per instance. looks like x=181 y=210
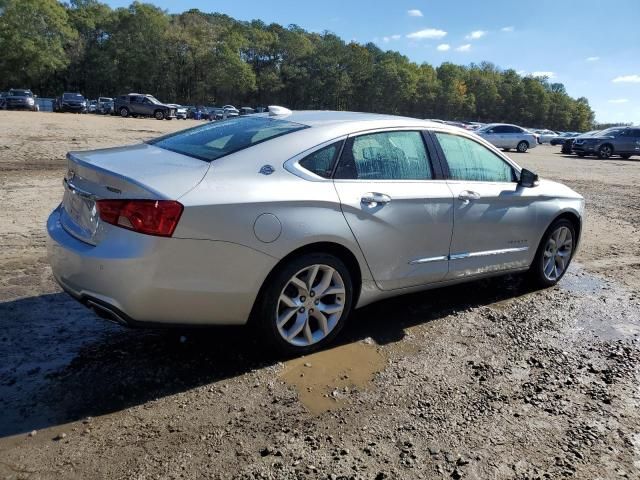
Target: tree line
x=210 y=58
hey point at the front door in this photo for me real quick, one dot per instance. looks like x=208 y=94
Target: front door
x=399 y=212
x=494 y=218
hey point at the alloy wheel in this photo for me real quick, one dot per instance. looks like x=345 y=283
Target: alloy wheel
x=605 y=151
x=310 y=305
x=557 y=253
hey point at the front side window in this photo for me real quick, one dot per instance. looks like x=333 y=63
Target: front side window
x=469 y=160
x=214 y=140
x=321 y=161
x=397 y=155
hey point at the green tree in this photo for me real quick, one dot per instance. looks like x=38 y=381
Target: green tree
x=33 y=38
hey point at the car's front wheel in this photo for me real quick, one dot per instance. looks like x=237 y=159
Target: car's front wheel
x=554 y=253
x=522 y=146
x=124 y=112
x=605 y=151
x=305 y=303
x=159 y=115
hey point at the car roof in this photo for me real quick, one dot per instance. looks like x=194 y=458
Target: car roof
x=328 y=118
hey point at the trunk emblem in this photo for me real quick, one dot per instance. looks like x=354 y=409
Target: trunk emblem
x=267 y=170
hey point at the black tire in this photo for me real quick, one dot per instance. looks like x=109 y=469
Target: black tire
x=605 y=151
x=523 y=146
x=264 y=315
x=158 y=115
x=124 y=112
x=536 y=270
x=626 y=156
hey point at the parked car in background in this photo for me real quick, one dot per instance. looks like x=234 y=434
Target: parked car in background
x=199 y=112
x=507 y=136
x=20 y=99
x=399 y=205
x=181 y=112
x=3 y=95
x=544 y=135
x=231 y=111
x=567 y=145
x=71 y=102
x=145 y=105
x=105 y=105
x=560 y=139
x=246 y=111
x=623 y=141
x=93 y=106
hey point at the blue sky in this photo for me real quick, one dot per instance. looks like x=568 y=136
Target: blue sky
x=591 y=46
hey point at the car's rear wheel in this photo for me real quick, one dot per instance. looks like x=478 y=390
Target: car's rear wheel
x=305 y=303
x=124 y=112
x=605 y=151
x=522 y=146
x=159 y=115
x=554 y=253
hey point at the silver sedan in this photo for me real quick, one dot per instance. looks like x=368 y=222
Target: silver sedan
x=290 y=220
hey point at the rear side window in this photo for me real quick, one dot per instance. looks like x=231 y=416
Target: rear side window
x=215 y=140
x=321 y=161
x=397 y=155
x=469 y=160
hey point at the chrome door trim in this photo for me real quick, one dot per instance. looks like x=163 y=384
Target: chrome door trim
x=420 y=261
x=459 y=256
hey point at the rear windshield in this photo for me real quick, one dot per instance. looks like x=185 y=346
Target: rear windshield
x=20 y=93
x=214 y=140
x=72 y=96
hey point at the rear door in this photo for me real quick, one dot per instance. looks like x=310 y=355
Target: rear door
x=629 y=142
x=397 y=205
x=494 y=218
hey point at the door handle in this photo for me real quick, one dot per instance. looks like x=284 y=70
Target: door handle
x=467 y=195
x=373 y=199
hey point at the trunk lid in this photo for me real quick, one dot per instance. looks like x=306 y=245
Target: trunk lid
x=134 y=172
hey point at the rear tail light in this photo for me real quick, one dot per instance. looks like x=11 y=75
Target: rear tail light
x=151 y=217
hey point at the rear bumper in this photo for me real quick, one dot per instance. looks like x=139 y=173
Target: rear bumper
x=141 y=280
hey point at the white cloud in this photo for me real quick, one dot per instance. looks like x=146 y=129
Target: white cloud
x=593 y=59
x=464 y=48
x=476 y=34
x=427 y=33
x=627 y=79
x=619 y=100
x=507 y=29
x=544 y=74
x=391 y=37
x=443 y=47
x=414 y=12
x=522 y=73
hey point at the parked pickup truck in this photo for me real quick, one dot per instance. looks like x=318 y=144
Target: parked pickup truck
x=137 y=104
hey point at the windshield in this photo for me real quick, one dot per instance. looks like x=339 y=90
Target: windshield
x=154 y=100
x=215 y=140
x=20 y=93
x=72 y=96
x=610 y=131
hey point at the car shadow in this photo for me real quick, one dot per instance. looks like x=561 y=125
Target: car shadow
x=60 y=363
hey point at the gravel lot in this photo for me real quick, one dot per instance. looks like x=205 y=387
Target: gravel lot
x=485 y=380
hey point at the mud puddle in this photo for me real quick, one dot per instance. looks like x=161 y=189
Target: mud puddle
x=324 y=379
x=606 y=311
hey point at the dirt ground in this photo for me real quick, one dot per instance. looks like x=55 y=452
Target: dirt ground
x=488 y=380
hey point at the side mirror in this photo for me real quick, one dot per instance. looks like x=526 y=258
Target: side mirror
x=528 y=179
